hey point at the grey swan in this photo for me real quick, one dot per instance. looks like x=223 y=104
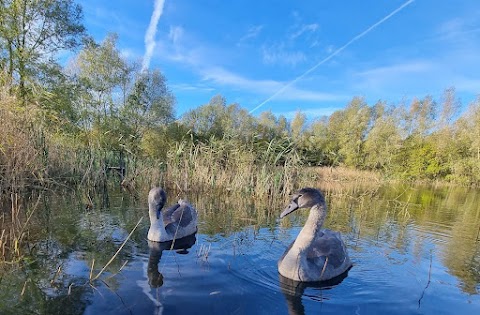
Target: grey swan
x=175 y=222
x=316 y=254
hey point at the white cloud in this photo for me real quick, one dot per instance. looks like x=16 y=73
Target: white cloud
x=175 y=34
x=329 y=49
x=129 y=54
x=222 y=76
x=205 y=61
x=303 y=29
x=395 y=79
x=333 y=54
x=464 y=84
x=459 y=28
x=151 y=32
x=277 y=54
x=410 y=67
x=191 y=87
x=252 y=33
x=266 y=87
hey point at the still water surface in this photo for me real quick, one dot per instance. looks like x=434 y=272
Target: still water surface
x=415 y=251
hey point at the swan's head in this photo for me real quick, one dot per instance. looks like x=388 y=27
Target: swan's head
x=157 y=199
x=155 y=278
x=304 y=198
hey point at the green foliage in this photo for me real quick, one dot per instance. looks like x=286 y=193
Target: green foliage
x=31 y=32
x=101 y=71
x=383 y=139
x=297 y=126
x=218 y=119
x=75 y=121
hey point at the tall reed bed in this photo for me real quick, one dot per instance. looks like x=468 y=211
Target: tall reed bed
x=31 y=154
x=261 y=169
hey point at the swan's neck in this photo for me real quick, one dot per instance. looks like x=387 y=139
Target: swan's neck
x=157 y=225
x=313 y=226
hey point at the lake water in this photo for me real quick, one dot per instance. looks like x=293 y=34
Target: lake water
x=415 y=251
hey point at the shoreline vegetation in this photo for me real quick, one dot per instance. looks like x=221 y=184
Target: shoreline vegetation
x=100 y=117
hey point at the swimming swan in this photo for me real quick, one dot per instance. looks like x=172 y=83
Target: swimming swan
x=316 y=254
x=177 y=221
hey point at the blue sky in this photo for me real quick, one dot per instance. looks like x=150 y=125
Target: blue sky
x=310 y=55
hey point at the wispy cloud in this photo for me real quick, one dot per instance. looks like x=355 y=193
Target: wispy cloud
x=454 y=62
x=175 y=34
x=411 y=67
x=465 y=31
x=277 y=54
x=457 y=26
x=191 y=87
x=303 y=29
x=468 y=85
x=398 y=77
x=151 y=32
x=130 y=54
x=252 y=33
x=198 y=59
x=265 y=87
x=362 y=34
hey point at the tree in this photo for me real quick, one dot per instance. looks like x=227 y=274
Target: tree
x=383 y=140
x=101 y=70
x=149 y=106
x=150 y=103
x=316 y=143
x=218 y=120
x=207 y=119
x=418 y=155
x=33 y=31
x=238 y=122
x=450 y=107
x=349 y=127
x=266 y=125
x=297 y=126
x=421 y=117
x=446 y=148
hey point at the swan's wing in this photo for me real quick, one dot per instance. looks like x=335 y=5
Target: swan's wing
x=328 y=244
x=182 y=215
x=167 y=213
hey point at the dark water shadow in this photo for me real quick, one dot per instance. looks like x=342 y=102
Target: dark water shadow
x=181 y=245
x=295 y=290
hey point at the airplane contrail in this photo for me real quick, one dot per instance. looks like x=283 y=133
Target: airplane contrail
x=150 y=33
x=333 y=54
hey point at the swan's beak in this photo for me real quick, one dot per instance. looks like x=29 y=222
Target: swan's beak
x=158 y=212
x=292 y=206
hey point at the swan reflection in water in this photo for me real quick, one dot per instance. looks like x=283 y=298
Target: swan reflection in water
x=181 y=246
x=154 y=275
x=294 y=291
